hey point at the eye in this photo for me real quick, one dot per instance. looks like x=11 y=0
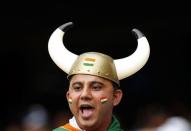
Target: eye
x=77 y=87
x=96 y=87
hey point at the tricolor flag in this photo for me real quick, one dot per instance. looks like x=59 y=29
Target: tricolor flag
x=89 y=61
x=103 y=99
x=69 y=100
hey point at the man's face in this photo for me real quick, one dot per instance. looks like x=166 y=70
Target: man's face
x=85 y=97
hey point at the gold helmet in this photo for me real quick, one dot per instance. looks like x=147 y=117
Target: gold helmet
x=94 y=63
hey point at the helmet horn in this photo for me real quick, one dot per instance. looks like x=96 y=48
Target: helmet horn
x=62 y=57
x=129 y=65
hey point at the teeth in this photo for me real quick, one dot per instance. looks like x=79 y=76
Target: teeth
x=85 y=106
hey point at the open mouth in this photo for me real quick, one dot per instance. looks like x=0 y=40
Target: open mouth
x=86 y=111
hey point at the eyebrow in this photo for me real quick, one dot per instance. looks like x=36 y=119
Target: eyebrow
x=92 y=82
x=97 y=82
x=80 y=83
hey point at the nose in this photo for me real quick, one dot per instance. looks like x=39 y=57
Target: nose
x=86 y=94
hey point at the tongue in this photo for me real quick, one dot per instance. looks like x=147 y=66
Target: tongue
x=87 y=113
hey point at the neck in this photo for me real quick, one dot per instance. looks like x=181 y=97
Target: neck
x=103 y=126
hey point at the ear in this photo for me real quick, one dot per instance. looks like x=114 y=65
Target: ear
x=117 y=96
x=67 y=95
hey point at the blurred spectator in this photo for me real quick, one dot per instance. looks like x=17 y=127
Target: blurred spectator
x=36 y=119
x=150 y=117
x=175 y=123
x=157 y=118
x=60 y=118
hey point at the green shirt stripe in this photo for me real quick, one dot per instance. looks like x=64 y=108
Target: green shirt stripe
x=60 y=129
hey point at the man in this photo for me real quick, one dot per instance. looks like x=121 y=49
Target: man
x=94 y=82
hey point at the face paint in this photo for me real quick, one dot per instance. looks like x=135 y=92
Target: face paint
x=103 y=99
x=70 y=100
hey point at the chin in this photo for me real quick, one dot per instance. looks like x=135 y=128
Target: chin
x=89 y=127
x=87 y=124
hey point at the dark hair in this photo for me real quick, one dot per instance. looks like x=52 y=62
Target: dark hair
x=115 y=86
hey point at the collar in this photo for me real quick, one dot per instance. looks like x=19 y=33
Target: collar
x=114 y=126
x=73 y=123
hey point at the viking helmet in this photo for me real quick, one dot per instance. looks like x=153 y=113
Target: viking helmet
x=94 y=63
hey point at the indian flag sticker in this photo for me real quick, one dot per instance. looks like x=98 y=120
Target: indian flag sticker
x=103 y=99
x=70 y=100
x=89 y=61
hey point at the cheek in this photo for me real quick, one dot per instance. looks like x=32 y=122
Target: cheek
x=74 y=98
x=105 y=105
x=103 y=99
x=74 y=104
x=106 y=97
